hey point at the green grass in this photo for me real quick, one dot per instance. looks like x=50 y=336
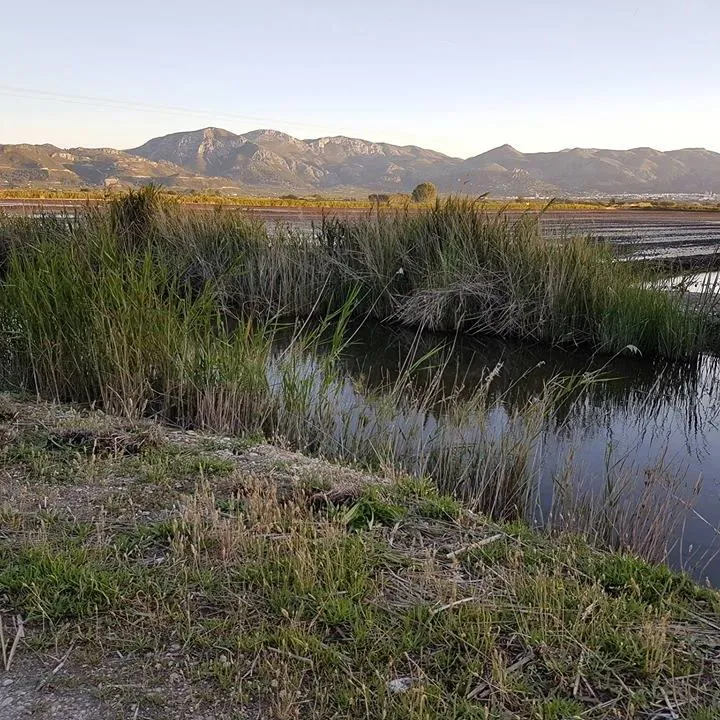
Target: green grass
x=306 y=610
x=95 y=316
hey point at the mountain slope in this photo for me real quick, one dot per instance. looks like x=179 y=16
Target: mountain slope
x=50 y=166
x=640 y=170
x=269 y=157
x=271 y=161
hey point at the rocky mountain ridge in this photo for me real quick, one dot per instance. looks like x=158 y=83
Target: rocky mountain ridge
x=271 y=161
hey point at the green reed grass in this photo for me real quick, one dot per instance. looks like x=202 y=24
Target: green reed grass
x=453 y=267
x=456 y=267
x=90 y=320
x=150 y=309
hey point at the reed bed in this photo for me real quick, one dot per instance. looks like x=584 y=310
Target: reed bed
x=454 y=267
x=457 y=267
x=149 y=309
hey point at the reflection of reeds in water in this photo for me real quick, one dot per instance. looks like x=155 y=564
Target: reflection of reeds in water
x=479 y=441
x=491 y=456
x=643 y=392
x=643 y=511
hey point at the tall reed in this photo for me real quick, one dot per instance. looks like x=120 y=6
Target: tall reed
x=453 y=267
x=91 y=319
x=456 y=267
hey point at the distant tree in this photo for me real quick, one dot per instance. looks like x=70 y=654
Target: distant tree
x=424 y=193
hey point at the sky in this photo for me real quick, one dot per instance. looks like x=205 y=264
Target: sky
x=459 y=76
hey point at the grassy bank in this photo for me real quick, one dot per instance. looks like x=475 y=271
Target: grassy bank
x=162 y=574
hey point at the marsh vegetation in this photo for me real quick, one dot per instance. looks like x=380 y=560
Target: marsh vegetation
x=153 y=310
x=423 y=574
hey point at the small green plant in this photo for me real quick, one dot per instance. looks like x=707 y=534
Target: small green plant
x=628 y=575
x=145 y=538
x=709 y=713
x=560 y=709
x=60 y=586
x=371 y=509
x=231 y=506
x=427 y=501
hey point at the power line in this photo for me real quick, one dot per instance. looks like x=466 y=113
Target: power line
x=111 y=103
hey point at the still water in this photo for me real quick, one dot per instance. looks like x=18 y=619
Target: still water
x=638 y=423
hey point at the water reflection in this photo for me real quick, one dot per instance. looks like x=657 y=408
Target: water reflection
x=708 y=282
x=630 y=420
x=642 y=391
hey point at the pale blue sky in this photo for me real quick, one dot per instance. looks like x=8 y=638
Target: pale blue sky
x=459 y=76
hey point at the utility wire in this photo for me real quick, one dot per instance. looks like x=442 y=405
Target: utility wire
x=110 y=103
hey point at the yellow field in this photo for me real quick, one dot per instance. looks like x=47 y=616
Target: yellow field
x=209 y=198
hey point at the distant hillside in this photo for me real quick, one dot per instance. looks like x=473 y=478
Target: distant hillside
x=50 y=166
x=272 y=158
x=271 y=161
x=641 y=170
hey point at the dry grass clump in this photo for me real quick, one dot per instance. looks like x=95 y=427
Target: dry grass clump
x=116 y=443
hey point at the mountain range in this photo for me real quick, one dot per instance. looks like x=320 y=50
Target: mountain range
x=273 y=162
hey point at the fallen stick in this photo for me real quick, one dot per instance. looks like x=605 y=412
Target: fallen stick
x=19 y=635
x=451 y=605
x=455 y=554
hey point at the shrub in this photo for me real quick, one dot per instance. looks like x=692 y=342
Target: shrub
x=424 y=193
